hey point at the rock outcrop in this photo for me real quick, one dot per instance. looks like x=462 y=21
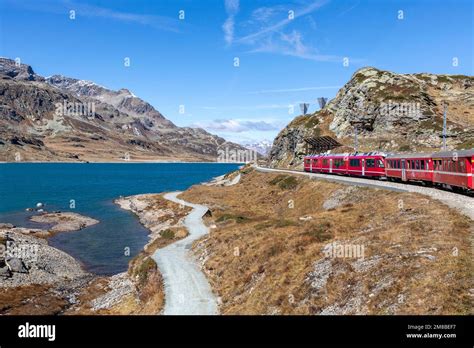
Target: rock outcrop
x=392 y=112
x=28 y=260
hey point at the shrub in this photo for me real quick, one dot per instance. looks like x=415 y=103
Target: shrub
x=237 y=218
x=320 y=232
x=285 y=182
x=144 y=268
x=167 y=234
x=288 y=183
x=277 y=179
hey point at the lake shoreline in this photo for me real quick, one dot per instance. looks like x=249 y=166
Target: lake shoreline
x=137 y=290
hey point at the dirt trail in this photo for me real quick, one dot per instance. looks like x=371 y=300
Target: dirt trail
x=187 y=290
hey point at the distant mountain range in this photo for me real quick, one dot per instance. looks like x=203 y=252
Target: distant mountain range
x=60 y=118
x=262 y=147
x=391 y=112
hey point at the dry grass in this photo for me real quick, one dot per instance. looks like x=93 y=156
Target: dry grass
x=32 y=299
x=263 y=263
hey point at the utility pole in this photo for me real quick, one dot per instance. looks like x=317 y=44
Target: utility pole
x=356 y=144
x=444 y=126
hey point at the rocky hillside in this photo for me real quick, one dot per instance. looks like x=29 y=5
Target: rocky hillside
x=392 y=112
x=65 y=119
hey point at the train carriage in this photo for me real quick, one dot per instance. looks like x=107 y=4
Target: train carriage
x=410 y=167
x=369 y=164
x=454 y=168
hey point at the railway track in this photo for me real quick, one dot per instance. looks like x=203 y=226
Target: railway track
x=461 y=202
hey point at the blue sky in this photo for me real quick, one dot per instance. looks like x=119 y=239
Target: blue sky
x=289 y=51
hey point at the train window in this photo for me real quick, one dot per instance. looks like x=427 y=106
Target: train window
x=370 y=163
x=418 y=165
x=399 y=164
x=338 y=163
x=462 y=166
x=325 y=162
x=354 y=163
x=308 y=161
x=380 y=163
x=422 y=164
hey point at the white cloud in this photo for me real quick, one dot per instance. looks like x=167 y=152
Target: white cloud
x=291 y=44
x=228 y=28
x=309 y=8
x=232 y=8
x=92 y=11
x=267 y=32
x=237 y=126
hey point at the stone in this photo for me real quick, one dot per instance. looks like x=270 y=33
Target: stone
x=16 y=265
x=5 y=272
x=6 y=225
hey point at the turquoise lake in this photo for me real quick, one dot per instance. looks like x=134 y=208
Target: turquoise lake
x=93 y=187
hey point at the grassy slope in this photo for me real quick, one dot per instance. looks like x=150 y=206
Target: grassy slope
x=262 y=258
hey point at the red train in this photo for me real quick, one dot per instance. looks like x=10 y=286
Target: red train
x=453 y=169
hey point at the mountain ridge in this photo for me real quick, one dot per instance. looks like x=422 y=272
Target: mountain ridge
x=61 y=118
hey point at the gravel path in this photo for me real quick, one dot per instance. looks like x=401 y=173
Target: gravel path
x=187 y=290
x=460 y=202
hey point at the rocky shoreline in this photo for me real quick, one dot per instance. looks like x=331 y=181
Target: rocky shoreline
x=36 y=278
x=140 y=289
x=26 y=258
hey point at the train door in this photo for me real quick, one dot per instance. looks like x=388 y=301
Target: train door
x=363 y=167
x=404 y=171
x=330 y=165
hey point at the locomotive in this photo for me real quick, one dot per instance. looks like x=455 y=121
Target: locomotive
x=450 y=169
